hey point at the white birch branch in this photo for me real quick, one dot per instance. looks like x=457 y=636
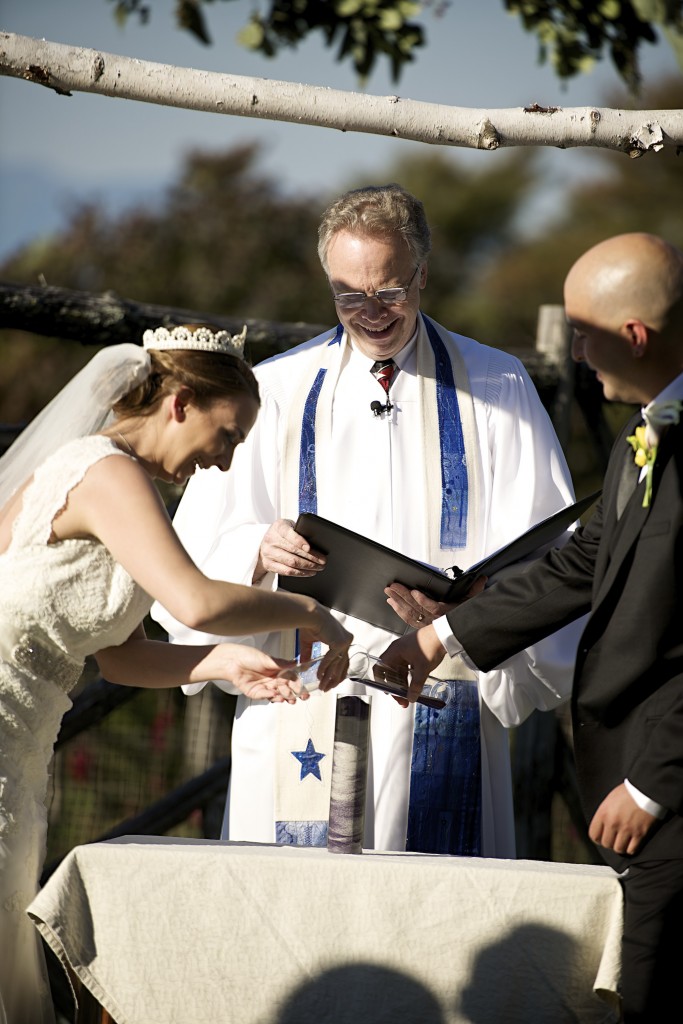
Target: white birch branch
x=68 y=69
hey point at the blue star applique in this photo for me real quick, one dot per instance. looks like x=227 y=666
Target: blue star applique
x=309 y=759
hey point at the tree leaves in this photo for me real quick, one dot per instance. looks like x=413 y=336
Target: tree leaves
x=189 y=16
x=124 y=8
x=361 y=30
x=574 y=35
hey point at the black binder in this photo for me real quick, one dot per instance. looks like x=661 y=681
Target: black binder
x=358 y=569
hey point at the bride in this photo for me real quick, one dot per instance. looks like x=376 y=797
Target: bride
x=86 y=545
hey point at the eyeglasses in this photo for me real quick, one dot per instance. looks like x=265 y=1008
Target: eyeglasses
x=387 y=296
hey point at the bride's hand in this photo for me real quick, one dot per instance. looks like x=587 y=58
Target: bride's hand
x=255 y=674
x=338 y=640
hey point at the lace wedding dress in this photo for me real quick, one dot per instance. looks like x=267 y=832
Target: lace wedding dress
x=58 y=603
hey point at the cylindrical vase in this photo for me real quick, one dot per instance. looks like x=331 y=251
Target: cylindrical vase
x=349 y=775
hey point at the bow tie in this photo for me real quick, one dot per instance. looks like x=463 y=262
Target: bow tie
x=658 y=416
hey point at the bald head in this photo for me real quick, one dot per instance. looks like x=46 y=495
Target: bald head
x=624 y=298
x=635 y=276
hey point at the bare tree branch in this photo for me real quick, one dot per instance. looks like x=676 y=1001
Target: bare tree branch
x=68 y=69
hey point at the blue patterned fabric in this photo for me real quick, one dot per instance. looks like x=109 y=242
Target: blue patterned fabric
x=301 y=833
x=444 y=811
x=454 y=488
x=308 y=485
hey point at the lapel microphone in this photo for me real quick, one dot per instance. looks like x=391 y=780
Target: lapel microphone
x=377 y=407
x=383 y=371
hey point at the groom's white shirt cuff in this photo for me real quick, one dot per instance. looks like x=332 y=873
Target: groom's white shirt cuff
x=644 y=802
x=454 y=648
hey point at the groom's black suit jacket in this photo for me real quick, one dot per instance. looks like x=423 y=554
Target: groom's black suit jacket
x=627 y=698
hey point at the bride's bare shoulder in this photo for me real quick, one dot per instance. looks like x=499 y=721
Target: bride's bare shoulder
x=8 y=514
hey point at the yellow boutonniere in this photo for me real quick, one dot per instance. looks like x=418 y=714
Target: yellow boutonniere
x=645 y=456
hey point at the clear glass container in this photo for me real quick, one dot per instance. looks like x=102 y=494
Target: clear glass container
x=373 y=672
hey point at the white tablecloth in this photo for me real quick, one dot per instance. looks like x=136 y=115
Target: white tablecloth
x=170 y=931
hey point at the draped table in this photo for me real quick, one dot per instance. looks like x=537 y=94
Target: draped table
x=173 y=931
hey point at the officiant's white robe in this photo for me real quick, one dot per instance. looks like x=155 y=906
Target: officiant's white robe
x=369 y=481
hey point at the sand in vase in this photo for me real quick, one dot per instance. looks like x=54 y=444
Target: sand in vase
x=349 y=775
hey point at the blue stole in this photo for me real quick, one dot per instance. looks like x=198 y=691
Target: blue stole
x=454 y=491
x=444 y=812
x=444 y=809
x=308 y=485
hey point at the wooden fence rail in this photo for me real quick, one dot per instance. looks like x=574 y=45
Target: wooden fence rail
x=109 y=319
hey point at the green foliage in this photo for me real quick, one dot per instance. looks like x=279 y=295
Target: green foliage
x=621 y=195
x=189 y=16
x=473 y=212
x=222 y=240
x=225 y=241
x=124 y=8
x=574 y=34
x=33 y=370
x=361 y=31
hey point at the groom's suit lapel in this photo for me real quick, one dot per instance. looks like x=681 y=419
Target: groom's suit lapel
x=621 y=534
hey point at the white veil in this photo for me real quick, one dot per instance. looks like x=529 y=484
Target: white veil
x=83 y=406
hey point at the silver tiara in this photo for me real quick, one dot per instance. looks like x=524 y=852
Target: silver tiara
x=201 y=339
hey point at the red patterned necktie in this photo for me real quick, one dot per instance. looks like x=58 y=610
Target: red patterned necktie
x=383 y=371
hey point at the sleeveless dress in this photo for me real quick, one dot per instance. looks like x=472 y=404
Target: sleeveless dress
x=58 y=603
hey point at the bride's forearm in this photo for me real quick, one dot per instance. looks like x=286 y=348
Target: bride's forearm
x=230 y=609
x=155 y=664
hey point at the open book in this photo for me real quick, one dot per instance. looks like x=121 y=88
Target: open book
x=358 y=569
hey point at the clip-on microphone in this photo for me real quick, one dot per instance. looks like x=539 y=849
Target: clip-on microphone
x=378 y=408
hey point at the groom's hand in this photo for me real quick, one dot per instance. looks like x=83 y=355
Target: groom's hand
x=619 y=824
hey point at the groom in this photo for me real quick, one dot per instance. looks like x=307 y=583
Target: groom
x=624 y=299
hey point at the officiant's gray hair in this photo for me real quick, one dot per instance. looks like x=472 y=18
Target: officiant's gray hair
x=377 y=210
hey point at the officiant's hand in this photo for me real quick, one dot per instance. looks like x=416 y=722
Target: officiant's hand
x=286 y=552
x=414 y=607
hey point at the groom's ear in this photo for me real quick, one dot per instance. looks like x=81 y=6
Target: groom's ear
x=637 y=334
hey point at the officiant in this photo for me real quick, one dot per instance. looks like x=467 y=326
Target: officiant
x=427 y=442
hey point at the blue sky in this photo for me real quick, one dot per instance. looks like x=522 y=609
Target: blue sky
x=56 y=150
